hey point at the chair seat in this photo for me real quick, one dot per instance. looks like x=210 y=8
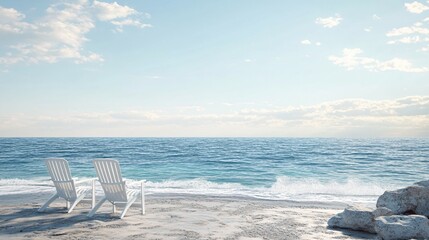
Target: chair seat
x=79 y=192
x=132 y=193
x=82 y=190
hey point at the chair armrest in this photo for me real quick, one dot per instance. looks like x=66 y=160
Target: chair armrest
x=142 y=182
x=92 y=180
x=84 y=181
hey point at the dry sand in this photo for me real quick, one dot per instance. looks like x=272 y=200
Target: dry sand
x=173 y=217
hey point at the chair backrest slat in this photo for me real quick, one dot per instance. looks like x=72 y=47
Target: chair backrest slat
x=59 y=171
x=109 y=175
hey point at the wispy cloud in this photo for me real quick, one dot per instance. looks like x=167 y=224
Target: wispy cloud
x=376 y=17
x=351 y=59
x=61 y=33
x=329 y=22
x=408 y=116
x=110 y=11
x=413 y=39
x=416 y=7
x=415 y=33
x=407 y=30
x=308 y=42
x=118 y=15
x=129 y=22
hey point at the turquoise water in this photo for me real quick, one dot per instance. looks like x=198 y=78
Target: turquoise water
x=273 y=168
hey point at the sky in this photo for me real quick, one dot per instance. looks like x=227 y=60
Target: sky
x=243 y=68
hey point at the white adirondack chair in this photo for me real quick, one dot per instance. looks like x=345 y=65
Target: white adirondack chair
x=115 y=190
x=65 y=185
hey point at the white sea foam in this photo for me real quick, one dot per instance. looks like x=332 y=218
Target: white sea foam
x=284 y=188
x=352 y=190
x=23 y=186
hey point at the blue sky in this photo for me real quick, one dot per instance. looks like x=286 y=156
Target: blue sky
x=214 y=68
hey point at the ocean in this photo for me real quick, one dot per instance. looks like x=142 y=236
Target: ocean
x=295 y=169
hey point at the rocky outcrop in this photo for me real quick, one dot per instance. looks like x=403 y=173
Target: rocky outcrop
x=358 y=218
x=410 y=200
x=400 y=214
x=402 y=227
x=382 y=211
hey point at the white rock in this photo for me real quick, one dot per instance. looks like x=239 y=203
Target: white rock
x=412 y=199
x=358 y=218
x=402 y=227
x=382 y=211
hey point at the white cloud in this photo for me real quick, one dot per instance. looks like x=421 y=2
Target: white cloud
x=416 y=33
x=368 y=29
x=129 y=22
x=110 y=11
x=60 y=34
x=119 y=15
x=407 y=30
x=412 y=39
x=416 y=7
x=419 y=34
x=401 y=65
x=306 y=42
x=376 y=17
x=407 y=116
x=10 y=15
x=351 y=59
x=329 y=22
x=10 y=21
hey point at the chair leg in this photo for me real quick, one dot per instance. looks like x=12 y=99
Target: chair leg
x=76 y=202
x=142 y=199
x=132 y=200
x=96 y=207
x=50 y=200
x=93 y=194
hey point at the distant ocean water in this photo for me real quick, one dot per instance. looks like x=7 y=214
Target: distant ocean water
x=299 y=169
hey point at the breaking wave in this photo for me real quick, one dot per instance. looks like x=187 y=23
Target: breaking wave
x=284 y=188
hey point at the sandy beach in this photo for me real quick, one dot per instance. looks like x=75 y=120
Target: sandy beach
x=173 y=217
x=247 y=120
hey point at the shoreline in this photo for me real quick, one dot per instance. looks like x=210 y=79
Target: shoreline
x=40 y=198
x=281 y=190
x=175 y=217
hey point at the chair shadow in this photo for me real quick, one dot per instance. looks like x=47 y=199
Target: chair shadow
x=28 y=220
